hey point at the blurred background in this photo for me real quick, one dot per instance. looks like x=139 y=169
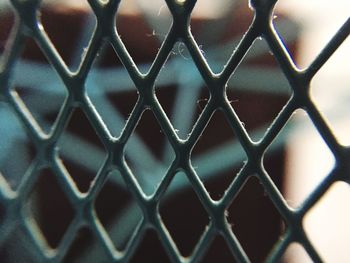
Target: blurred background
x=297 y=160
x=326 y=224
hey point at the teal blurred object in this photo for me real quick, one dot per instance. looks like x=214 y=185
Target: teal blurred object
x=26 y=134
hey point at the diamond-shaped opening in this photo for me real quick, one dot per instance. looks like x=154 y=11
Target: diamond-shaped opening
x=327 y=224
x=78 y=21
x=114 y=100
x=288 y=28
x=17 y=248
x=81 y=150
x=183 y=214
x=152 y=22
x=50 y=208
x=167 y=95
x=16 y=149
x=144 y=153
x=255 y=220
x=258 y=89
x=117 y=210
x=218 y=156
x=218 y=252
x=150 y=249
x=275 y=164
x=295 y=253
x=86 y=248
x=297 y=172
x=181 y=90
x=317 y=24
x=7 y=21
x=218 y=26
x=35 y=79
x=330 y=92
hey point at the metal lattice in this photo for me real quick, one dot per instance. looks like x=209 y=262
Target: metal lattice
x=15 y=215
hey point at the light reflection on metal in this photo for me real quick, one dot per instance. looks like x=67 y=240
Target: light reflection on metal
x=93 y=78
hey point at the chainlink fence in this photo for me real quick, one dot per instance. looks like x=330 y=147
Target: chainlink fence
x=118 y=158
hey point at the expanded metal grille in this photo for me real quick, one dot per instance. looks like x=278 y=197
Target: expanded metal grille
x=45 y=145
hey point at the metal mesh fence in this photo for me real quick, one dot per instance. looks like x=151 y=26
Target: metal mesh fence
x=146 y=191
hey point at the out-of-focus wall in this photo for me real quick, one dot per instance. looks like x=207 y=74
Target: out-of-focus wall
x=327 y=224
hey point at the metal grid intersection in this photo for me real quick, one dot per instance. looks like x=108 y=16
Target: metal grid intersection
x=28 y=24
